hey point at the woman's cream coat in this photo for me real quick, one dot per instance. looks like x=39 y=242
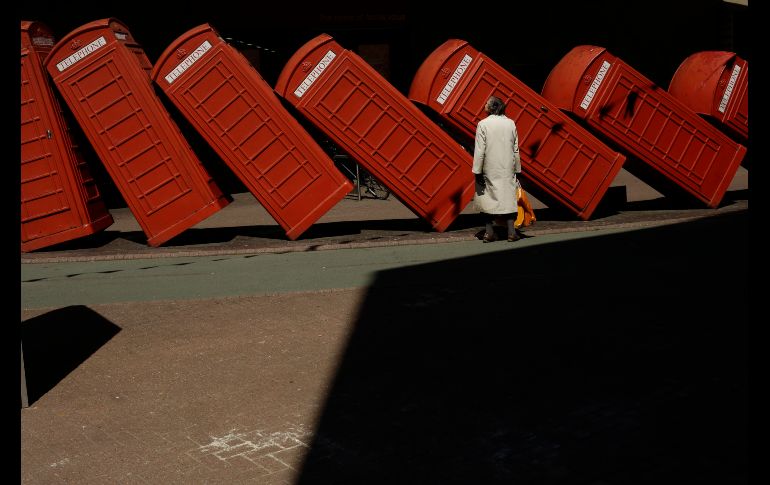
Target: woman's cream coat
x=496 y=155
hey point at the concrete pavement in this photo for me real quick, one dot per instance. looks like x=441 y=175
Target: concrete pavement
x=244 y=227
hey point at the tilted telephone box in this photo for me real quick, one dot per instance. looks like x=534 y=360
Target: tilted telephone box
x=237 y=112
x=716 y=84
x=645 y=121
x=357 y=108
x=59 y=198
x=102 y=74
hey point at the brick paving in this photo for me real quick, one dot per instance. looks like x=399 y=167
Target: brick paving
x=177 y=396
x=633 y=375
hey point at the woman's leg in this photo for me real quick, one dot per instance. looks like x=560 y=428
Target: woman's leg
x=490 y=226
x=489 y=229
x=509 y=221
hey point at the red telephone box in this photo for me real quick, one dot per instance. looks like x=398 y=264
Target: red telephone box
x=646 y=121
x=101 y=72
x=239 y=115
x=379 y=127
x=558 y=156
x=716 y=83
x=59 y=199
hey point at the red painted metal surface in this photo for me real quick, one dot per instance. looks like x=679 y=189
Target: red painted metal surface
x=558 y=156
x=379 y=127
x=645 y=121
x=716 y=83
x=101 y=72
x=239 y=115
x=59 y=199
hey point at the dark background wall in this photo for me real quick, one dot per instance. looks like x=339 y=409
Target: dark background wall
x=395 y=36
x=527 y=38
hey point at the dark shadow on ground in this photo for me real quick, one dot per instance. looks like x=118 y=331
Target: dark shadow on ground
x=214 y=235
x=734 y=195
x=616 y=359
x=96 y=240
x=613 y=201
x=276 y=232
x=57 y=342
x=672 y=203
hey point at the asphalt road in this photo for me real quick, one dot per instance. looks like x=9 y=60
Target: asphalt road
x=51 y=285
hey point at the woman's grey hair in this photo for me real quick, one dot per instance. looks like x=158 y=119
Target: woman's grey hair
x=495 y=106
